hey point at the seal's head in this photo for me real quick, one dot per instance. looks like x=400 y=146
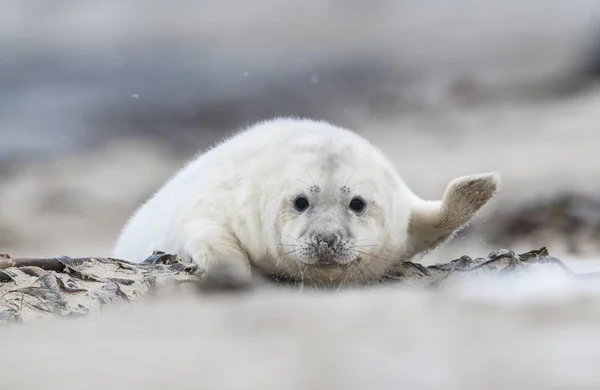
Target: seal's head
x=344 y=215
x=332 y=232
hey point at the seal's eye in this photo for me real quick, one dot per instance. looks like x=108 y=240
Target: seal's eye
x=357 y=205
x=301 y=203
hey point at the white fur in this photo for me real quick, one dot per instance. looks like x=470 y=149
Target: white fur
x=235 y=204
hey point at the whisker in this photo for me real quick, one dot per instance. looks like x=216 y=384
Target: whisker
x=354 y=242
x=375 y=259
x=366 y=254
x=357 y=184
x=350 y=177
x=303 y=182
x=361 y=271
x=310 y=177
x=302 y=269
x=369 y=267
x=293 y=238
x=342 y=282
x=287 y=253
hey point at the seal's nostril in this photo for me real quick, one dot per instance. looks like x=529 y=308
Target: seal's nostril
x=331 y=240
x=327 y=240
x=316 y=239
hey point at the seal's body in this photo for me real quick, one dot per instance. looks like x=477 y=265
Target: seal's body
x=301 y=199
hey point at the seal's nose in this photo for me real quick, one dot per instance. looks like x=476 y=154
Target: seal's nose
x=330 y=239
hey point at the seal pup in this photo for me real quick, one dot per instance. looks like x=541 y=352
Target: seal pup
x=298 y=199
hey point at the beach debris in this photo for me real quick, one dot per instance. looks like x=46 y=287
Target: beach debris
x=34 y=288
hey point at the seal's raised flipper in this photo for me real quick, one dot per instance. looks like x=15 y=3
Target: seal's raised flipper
x=433 y=222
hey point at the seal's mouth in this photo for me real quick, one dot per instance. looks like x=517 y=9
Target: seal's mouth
x=326 y=256
x=329 y=262
x=324 y=253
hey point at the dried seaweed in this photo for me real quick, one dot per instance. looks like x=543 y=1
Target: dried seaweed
x=66 y=287
x=5 y=277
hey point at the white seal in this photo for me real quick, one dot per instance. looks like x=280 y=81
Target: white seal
x=300 y=199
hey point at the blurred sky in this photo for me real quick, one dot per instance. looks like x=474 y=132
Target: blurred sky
x=76 y=72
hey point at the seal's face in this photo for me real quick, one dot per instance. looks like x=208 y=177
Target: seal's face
x=337 y=226
x=328 y=226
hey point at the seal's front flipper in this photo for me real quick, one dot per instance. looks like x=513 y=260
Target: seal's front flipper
x=224 y=276
x=434 y=222
x=225 y=269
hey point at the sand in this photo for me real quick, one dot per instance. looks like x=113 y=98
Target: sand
x=524 y=334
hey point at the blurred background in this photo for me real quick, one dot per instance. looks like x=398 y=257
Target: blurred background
x=100 y=102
